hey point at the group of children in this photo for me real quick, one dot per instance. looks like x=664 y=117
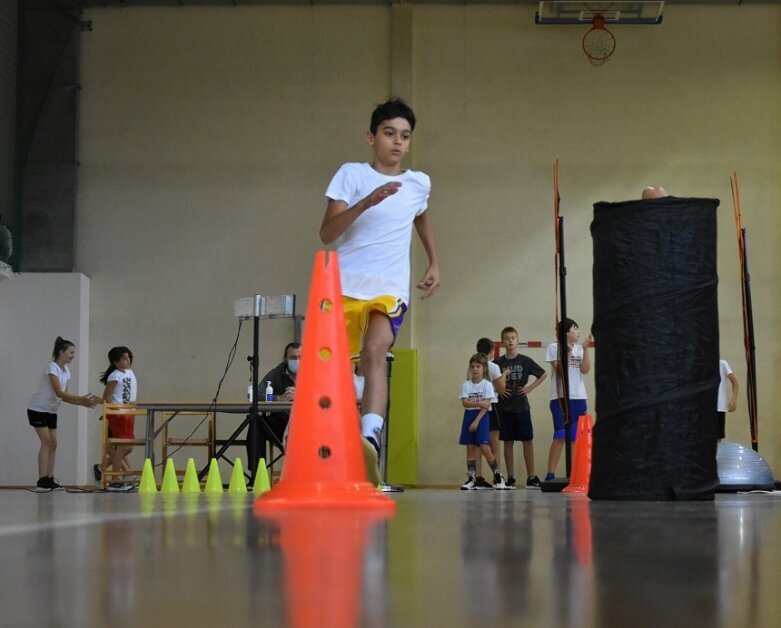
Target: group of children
x=496 y=405
x=120 y=387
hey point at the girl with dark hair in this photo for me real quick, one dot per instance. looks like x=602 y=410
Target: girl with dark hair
x=121 y=387
x=42 y=409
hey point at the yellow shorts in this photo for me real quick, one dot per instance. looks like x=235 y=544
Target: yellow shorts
x=356 y=314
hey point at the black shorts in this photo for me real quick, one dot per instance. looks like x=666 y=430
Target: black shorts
x=42 y=419
x=721 y=424
x=515 y=426
x=493 y=420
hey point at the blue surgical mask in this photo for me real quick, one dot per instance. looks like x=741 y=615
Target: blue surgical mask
x=292 y=365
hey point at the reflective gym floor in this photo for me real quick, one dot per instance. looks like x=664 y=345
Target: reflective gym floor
x=445 y=558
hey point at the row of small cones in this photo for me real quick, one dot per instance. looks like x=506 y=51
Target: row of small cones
x=190 y=483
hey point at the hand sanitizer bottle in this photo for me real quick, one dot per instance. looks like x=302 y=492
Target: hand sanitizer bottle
x=269 y=392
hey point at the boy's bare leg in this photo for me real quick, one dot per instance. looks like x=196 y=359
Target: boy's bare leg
x=555 y=453
x=376 y=342
x=495 y=443
x=528 y=457
x=509 y=462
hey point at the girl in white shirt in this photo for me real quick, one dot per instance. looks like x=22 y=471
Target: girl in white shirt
x=42 y=409
x=121 y=387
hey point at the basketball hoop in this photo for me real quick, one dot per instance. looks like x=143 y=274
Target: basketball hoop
x=598 y=42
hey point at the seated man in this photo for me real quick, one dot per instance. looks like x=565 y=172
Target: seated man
x=283 y=381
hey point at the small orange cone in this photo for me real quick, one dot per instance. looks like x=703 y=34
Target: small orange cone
x=324 y=464
x=581 y=458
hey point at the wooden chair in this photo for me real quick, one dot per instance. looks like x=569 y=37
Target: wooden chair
x=107 y=475
x=208 y=440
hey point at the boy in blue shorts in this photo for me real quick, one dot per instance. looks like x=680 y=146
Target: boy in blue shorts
x=371 y=208
x=515 y=421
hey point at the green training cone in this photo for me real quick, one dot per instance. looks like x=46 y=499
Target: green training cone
x=262 y=483
x=237 y=484
x=213 y=480
x=148 y=483
x=170 y=482
x=190 y=484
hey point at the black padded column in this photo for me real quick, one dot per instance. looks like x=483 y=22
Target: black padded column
x=656 y=329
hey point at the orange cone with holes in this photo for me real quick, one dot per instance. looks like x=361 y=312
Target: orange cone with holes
x=581 y=458
x=324 y=465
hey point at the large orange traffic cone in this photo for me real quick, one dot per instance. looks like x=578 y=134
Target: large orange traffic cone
x=324 y=464
x=581 y=458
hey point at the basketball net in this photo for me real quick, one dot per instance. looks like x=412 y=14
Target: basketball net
x=598 y=43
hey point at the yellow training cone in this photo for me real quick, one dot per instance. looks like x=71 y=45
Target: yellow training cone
x=213 y=480
x=170 y=482
x=148 y=483
x=262 y=483
x=191 y=483
x=237 y=484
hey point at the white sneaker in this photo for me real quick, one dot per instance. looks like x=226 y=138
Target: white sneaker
x=469 y=485
x=120 y=487
x=499 y=484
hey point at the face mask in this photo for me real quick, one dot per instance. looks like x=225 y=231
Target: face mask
x=292 y=366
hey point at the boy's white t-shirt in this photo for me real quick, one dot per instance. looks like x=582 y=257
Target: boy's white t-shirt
x=577 y=387
x=477 y=392
x=44 y=399
x=374 y=251
x=127 y=387
x=725 y=370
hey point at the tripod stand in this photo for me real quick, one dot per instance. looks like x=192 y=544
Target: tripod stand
x=385 y=487
x=257 y=307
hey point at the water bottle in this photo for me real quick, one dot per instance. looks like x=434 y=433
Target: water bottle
x=249 y=392
x=269 y=392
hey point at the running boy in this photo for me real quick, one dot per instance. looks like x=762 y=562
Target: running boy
x=515 y=420
x=372 y=208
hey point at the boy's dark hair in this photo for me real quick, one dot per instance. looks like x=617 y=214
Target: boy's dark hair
x=61 y=345
x=485 y=346
x=395 y=108
x=566 y=325
x=114 y=355
x=508 y=330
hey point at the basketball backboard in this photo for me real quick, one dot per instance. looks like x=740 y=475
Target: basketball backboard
x=584 y=12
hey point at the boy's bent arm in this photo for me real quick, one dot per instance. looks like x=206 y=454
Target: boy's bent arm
x=431 y=278
x=338 y=216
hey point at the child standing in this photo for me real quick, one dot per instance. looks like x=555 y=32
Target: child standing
x=724 y=406
x=121 y=387
x=371 y=209
x=515 y=421
x=42 y=409
x=578 y=365
x=496 y=377
x=476 y=395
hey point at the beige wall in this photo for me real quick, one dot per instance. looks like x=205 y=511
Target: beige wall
x=209 y=134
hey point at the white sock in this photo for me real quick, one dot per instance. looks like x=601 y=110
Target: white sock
x=371 y=424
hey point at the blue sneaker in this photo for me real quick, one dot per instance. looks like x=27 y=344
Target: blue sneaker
x=549 y=477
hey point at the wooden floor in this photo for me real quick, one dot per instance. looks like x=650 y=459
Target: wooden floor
x=446 y=558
